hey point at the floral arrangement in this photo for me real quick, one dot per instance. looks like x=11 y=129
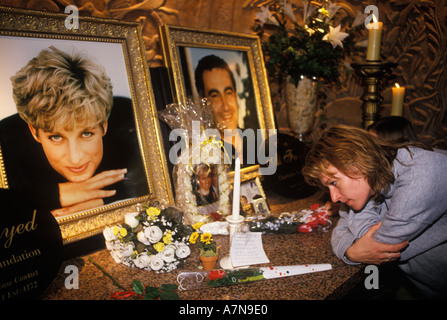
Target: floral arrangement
x=151 y=238
x=194 y=119
x=304 y=221
x=207 y=245
x=312 y=44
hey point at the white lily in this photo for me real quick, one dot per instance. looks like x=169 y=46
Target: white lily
x=265 y=16
x=335 y=36
x=359 y=19
x=332 y=9
x=288 y=11
x=307 y=11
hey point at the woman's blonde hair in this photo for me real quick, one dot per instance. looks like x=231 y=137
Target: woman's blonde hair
x=56 y=90
x=355 y=153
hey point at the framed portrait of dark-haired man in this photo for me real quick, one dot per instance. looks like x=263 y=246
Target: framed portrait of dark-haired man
x=228 y=70
x=77 y=129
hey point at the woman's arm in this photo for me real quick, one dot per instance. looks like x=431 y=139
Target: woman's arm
x=342 y=238
x=418 y=203
x=369 y=251
x=352 y=239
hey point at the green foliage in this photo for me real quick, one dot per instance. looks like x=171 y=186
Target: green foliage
x=295 y=50
x=237 y=276
x=166 y=292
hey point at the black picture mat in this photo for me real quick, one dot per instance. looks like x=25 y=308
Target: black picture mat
x=163 y=97
x=31 y=258
x=288 y=180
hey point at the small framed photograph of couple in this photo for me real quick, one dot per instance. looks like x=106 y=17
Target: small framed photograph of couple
x=77 y=130
x=253 y=199
x=228 y=70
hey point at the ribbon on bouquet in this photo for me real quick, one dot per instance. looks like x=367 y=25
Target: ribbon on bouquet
x=204 y=149
x=192 y=280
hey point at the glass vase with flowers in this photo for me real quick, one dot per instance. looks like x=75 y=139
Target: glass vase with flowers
x=304 y=48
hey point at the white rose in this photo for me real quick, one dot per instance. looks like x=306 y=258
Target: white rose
x=153 y=234
x=117 y=256
x=109 y=245
x=182 y=251
x=168 y=253
x=130 y=220
x=142 y=238
x=108 y=234
x=128 y=249
x=143 y=261
x=156 y=262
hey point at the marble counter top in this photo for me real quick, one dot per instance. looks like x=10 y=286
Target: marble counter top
x=281 y=249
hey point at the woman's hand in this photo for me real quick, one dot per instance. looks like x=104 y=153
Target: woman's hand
x=369 y=251
x=72 y=193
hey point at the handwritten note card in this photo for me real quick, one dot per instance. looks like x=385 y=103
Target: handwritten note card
x=246 y=249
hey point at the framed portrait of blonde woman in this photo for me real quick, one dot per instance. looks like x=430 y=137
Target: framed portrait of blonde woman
x=77 y=129
x=228 y=70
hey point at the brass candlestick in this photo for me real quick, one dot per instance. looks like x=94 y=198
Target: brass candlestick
x=372 y=72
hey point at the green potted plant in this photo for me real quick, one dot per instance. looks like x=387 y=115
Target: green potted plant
x=207 y=251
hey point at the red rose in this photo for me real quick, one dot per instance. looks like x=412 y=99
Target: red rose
x=304 y=228
x=314 y=207
x=216 y=216
x=322 y=218
x=313 y=222
x=214 y=275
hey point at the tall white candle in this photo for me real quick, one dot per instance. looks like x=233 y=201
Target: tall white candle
x=374 y=40
x=236 y=188
x=398 y=100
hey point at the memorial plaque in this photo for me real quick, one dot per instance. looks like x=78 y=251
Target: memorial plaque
x=30 y=248
x=288 y=180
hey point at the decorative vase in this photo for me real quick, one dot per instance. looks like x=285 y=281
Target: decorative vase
x=301 y=104
x=208 y=262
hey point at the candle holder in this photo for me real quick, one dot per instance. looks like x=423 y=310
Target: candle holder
x=235 y=225
x=372 y=72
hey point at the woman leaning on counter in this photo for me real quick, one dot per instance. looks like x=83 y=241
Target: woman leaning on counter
x=397 y=203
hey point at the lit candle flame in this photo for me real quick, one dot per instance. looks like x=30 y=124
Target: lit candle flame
x=397 y=85
x=374 y=18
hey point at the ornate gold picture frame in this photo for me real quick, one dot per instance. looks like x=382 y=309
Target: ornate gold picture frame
x=184 y=47
x=118 y=47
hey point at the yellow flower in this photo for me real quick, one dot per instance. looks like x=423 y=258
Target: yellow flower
x=167 y=239
x=123 y=232
x=152 y=212
x=206 y=238
x=323 y=11
x=116 y=230
x=193 y=238
x=159 y=246
x=197 y=225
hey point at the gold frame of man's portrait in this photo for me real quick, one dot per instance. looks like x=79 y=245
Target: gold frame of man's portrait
x=173 y=37
x=126 y=38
